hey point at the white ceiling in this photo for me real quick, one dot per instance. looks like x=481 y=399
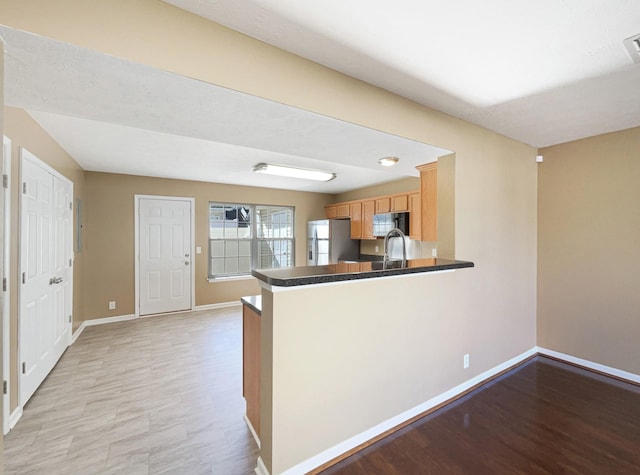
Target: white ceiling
x=115 y=116
x=540 y=72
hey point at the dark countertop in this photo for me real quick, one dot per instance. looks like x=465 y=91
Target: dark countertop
x=254 y=302
x=294 y=276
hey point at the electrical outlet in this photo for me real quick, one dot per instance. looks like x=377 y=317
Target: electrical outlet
x=465 y=361
x=198 y=250
x=434 y=253
x=112 y=305
x=377 y=248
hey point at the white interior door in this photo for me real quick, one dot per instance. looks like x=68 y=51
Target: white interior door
x=45 y=266
x=6 y=282
x=62 y=261
x=164 y=249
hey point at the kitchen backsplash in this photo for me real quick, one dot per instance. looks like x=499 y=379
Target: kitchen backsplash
x=415 y=249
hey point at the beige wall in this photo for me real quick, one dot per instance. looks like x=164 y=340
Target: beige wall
x=589 y=249
x=25 y=132
x=388 y=188
x=109 y=234
x=379 y=338
x=491 y=309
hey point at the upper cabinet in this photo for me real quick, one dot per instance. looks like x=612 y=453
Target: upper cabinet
x=429 y=201
x=415 y=216
x=400 y=203
x=355 y=213
x=337 y=211
x=392 y=203
x=368 y=210
x=331 y=211
x=361 y=213
x=383 y=205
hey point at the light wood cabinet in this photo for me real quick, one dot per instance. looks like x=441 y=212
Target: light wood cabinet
x=399 y=203
x=361 y=212
x=331 y=211
x=415 y=218
x=429 y=201
x=251 y=364
x=392 y=204
x=383 y=205
x=368 y=210
x=337 y=211
x=355 y=213
x=342 y=210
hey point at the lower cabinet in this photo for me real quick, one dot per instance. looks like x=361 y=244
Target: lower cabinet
x=251 y=365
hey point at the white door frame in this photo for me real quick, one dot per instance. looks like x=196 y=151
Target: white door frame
x=136 y=254
x=6 y=343
x=27 y=155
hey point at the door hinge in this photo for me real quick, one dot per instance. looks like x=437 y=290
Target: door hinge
x=24 y=277
x=4 y=387
x=70 y=262
x=5 y=181
x=24 y=368
x=70 y=205
x=24 y=188
x=4 y=284
x=69 y=318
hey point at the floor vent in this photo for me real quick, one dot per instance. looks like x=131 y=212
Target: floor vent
x=633 y=47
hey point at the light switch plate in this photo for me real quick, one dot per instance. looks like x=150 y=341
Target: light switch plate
x=198 y=250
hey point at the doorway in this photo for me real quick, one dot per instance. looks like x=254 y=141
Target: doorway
x=46 y=274
x=6 y=281
x=164 y=250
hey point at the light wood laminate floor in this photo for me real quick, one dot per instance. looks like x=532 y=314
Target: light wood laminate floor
x=148 y=396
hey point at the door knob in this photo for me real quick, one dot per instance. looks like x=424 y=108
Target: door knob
x=186 y=255
x=55 y=280
x=186 y=263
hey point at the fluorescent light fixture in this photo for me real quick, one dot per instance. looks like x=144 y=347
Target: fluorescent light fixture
x=388 y=161
x=292 y=172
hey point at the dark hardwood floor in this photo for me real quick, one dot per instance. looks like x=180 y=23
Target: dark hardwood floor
x=543 y=417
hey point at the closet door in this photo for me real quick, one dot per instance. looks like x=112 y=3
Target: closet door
x=45 y=266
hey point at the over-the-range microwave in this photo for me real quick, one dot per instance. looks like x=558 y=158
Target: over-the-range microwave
x=385 y=222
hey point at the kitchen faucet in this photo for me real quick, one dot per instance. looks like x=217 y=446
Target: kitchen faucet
x=386 y=247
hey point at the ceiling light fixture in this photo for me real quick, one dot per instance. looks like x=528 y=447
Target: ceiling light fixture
x=388 y=161
x=292 y=172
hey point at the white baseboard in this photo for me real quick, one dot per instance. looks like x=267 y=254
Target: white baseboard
x=359 y=439
x=261 y=469
x=105 y=320
x=77 y=333
x=253 y=431
x=215 y=306
x=15 y=417
x=618 y=373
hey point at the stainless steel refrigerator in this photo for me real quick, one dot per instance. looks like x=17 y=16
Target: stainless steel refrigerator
x=329 y=241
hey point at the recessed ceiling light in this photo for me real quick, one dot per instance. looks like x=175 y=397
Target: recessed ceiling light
x=388 y=161
x=292 y=172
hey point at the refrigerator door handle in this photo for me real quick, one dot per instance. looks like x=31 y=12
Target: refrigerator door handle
x=316 y=247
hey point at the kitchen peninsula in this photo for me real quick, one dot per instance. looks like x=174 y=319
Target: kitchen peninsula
x=294 y=276
x=346 y=353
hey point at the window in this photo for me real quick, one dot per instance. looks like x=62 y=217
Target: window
x=245 y=237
